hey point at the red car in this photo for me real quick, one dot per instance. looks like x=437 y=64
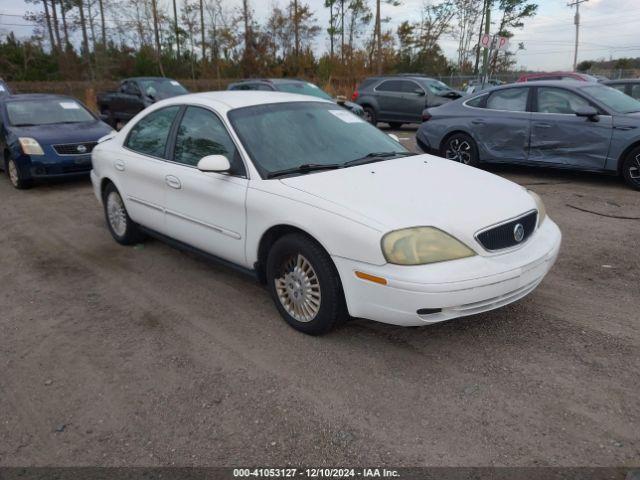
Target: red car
x=533 y=77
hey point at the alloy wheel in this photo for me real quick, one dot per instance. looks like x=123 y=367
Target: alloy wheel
x=13 y=173
x=116 y=214
x=459 y=151
x=298 y=288
x=634 y=169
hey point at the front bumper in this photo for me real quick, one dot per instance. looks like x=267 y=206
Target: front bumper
x=455 y=289
x=50 y=166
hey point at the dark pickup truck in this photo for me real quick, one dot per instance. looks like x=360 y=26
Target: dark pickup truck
x=134 y=95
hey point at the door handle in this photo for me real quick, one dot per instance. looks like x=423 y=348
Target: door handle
x=478 y=122
x=119 y=165
x=543 y=125
x=173 y=182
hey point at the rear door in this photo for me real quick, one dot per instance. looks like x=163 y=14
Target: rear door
x=501 y=128
x=560 y=137
x=140 y=167
x=206 y=210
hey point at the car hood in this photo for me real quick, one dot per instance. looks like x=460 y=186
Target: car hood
x=421 y=190
x=64 y=133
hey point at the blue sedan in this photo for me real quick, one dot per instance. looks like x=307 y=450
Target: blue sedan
x=561 y=124
x=46 y=136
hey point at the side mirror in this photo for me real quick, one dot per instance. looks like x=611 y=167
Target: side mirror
x=419 y=92
x=395 y=137
x=341 y=99
x=588 y=112
x=214 y=163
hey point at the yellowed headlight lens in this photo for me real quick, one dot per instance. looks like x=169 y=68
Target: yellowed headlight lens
x=30 y=146
x=422 y=245
x=542 y=210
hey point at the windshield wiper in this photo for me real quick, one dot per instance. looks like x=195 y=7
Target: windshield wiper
x=376 y=157
x=304 y=168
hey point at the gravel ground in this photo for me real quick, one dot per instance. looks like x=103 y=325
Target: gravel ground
x=151 y=356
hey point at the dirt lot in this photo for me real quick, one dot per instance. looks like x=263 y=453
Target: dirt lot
x=151 y=356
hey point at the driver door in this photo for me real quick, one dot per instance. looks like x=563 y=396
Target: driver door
x=206 y=210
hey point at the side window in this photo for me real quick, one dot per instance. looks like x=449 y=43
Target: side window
x=558 y=100
x=266 y=88
x=131 y=88
x=391 y=86
x=149 y=136
x=201 y=133
x=510 y=99
x=241 y=86
x=410 y=87
x=476 y=102
x=619 y=86
x=635 y=91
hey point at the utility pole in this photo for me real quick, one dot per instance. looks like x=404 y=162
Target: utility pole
x=576 y=20
x=487 y=51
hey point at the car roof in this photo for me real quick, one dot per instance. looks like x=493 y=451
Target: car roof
x=148 y=78
x=543 y=83
x=622 y=80
x=271 y=80
x=232 y=99
x=412 y=76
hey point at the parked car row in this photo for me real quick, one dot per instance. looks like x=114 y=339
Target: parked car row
x=576 y=125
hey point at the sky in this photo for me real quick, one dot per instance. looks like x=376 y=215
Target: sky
x=609 y=28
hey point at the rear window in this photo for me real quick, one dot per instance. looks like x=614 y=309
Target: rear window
x=25 y=113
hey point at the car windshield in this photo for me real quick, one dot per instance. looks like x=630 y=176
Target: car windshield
x=47 y=112
x=303 y=88
x=282 y=136
x=613 y=98
x=162 y=86
x=437 y=87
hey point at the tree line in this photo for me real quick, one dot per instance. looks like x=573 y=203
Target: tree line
x=109 y=39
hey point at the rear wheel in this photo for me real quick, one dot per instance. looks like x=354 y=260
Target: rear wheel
x=305 y=285
x=123 y=230
x=631 y=169
x=370 y=115
x=15 y=175
x=460 y=147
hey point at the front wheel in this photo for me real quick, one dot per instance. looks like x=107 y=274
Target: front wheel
x=123 y=230
x=631 y=169
x=305 y=285
x=370 y=115
x=15 y=175
x=460 y=147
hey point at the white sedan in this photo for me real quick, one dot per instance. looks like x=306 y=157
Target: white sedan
x=338 y=218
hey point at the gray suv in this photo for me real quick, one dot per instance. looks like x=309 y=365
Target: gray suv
x=401 y=99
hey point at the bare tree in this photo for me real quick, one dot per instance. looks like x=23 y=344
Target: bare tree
x=48 y=23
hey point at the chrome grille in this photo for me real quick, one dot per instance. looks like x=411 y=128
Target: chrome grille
x=72 y=148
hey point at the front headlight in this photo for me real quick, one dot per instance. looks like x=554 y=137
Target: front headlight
x=542 y=211
x=422 y=245
x=30 y=146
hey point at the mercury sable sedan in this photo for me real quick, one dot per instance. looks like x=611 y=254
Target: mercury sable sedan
x=336 y=217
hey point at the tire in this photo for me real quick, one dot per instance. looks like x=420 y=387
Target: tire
x=296 y=260
x=370 y=115
x=395 y=125
x=123 y=230
x=460 y=147
x=15 y=175
x=631 y=169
